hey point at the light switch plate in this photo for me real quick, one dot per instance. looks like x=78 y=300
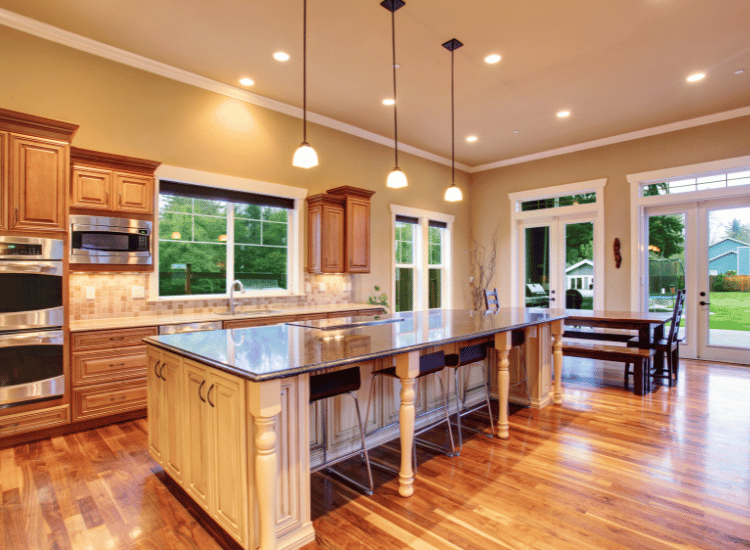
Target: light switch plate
x=90 y=293
x=138 y=292
x=308 y=288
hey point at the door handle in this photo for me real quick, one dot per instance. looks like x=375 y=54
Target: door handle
x=208 y=395
x=199 y=391
x=162 y=370
x=156 y=366
x=705 y=303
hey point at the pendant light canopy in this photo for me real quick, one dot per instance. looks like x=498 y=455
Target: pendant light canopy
x=305 y=156
x=453 y=193
x=396 y=178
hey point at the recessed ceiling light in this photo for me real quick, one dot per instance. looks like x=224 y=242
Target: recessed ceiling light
x=516 y=131
x=471 y=138
x=281 y=56
x=492 y=58
x=389 y=101
x=739 y=71
x=563 y=114
x=696 y=77
x=246 y=81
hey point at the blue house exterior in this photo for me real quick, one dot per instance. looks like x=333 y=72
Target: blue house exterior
x=729 y=255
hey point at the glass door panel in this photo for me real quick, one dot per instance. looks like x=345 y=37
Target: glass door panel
x=579 y=265
x=724 y=306
x=537 y=266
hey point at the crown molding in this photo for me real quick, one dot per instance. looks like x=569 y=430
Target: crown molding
x=638 y=134
x=78 y=42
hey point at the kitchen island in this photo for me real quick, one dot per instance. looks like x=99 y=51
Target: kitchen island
x=229 y=412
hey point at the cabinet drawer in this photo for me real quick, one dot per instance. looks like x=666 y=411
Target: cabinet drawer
x=107 y=399
x=106 y=365
x=34 y=420
x=246 y=323
x=110 y=338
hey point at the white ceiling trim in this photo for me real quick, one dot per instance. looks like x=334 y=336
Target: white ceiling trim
x=638 y=134
x=76 y=41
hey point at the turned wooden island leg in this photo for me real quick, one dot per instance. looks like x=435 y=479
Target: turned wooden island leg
x=557 y=359
x=407 y=369
x=502 y=346
x=265 y=404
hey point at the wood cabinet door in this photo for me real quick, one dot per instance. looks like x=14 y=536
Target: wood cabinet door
x=358 y=235
x=314 y=229
x=196 y=441
x=3 y=180
x=135 y=193
x=154 y=406
x=91 y=188
x=39 y=175
x=171 y=414
x=229 y=454
x=332 y=239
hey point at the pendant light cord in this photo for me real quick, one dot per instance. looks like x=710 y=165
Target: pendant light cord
x=304 y=72
x=453 y=129
x=395 y=103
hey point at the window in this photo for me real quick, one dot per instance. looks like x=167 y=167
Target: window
x=421 y=259
x=695 y=183
x=208 y=237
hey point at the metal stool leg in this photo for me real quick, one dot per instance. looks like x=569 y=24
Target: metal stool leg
x=447 y=416
x=458 y=411
x=364 y=445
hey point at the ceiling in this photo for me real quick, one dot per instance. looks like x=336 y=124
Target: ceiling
x=618 y=66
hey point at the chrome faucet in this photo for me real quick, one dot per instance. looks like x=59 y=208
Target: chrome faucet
x=240 y=287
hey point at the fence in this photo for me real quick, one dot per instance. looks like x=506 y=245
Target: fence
x=732 y=283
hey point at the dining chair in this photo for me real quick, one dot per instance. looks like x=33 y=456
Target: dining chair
x=491 y=301
x=669 y=346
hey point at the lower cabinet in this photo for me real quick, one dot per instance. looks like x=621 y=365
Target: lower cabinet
x=215 y=473
x=164 y=414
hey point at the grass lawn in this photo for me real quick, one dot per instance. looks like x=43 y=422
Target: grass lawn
x=731 y=310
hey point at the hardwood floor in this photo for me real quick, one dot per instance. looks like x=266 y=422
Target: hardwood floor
x=606 y=470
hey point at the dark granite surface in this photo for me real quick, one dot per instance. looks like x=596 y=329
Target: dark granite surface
x=278 y=351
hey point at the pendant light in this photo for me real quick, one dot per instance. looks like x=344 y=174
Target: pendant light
x=396 y=178
x=305 y=156
x=453 y=193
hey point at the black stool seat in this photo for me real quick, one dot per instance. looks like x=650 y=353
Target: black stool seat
x=466 y=355
x=331 y=384
x=429 y=363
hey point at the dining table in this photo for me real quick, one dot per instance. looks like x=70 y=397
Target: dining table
x=648 y=324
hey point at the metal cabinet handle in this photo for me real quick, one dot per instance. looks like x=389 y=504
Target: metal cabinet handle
x=208 y=395
x=117 y=364
x=120 y=398
x=199 y=391
x=120 y=199
x=162 y=370
x=156 y=366
x=106 y=197
x=16 y=215
x=705 y=303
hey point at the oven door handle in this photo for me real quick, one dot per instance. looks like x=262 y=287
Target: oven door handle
x=44 y=268
x=46 y=338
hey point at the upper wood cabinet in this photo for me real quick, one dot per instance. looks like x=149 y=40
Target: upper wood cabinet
x=34 y=160
x=357 y=227
x=338 y=237
x=112 y=183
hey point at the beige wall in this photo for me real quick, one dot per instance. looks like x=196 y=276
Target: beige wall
x=489 y=190
x=126 y=111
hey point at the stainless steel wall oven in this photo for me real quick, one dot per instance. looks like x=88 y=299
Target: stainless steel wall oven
x=31 y=319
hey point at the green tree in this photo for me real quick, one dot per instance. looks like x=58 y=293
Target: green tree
x=737 y=230
x=579 y=242
x=666 y=234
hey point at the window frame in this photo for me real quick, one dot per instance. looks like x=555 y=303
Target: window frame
x=421 y=256
x=295 y=238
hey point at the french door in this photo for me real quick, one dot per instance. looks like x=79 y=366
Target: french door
x=703 y=247
x=558 y=257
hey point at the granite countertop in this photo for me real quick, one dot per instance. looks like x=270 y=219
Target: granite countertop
x=279 y=351
x=159 y=320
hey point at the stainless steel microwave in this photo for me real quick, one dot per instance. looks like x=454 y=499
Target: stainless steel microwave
x=109 y=241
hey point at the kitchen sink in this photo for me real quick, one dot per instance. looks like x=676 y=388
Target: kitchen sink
x=245 y=313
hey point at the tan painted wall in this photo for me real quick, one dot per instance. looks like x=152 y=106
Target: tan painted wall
x=126 y=111
x=489 y=190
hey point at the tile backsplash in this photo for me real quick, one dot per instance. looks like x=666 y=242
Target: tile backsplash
x=111 y=295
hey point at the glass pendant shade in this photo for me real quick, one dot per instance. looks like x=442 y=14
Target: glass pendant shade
x=396 y=179
x=453 y=194
x=305 y=156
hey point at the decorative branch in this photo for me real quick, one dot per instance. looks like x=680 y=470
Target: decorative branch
x=483 y=264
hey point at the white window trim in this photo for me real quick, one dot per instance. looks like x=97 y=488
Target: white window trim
x=222 y=181
x=421 y=300
x=595 y=208
x=639 y=203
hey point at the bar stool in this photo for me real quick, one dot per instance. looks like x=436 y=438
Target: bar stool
x=431 y=363
x=469 y=355
x=331 y=384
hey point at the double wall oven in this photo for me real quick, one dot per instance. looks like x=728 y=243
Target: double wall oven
x=31 y=320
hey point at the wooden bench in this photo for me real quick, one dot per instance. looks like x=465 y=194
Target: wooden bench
x=590 y=335
x=641 y=358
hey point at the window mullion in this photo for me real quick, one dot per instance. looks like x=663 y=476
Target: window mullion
x=230 y=245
